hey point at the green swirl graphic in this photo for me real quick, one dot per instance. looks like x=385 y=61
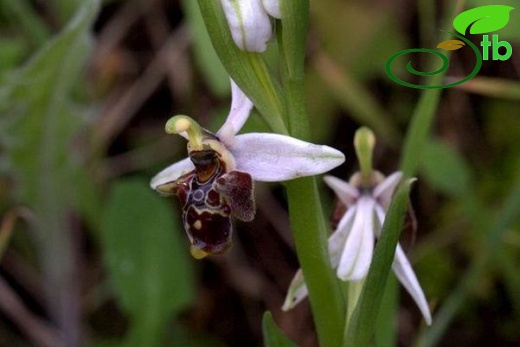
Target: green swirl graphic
x=445 y=65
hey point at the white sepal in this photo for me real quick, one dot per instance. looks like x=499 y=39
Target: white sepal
x=384 y=191
x=238 y=114
x=272 y=157
x=357 y=254
x=297 y=291
x=172 y=172
x=405 y=274
x=344 y=191
x=339 y=237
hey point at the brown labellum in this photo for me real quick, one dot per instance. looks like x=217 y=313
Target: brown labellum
x=209 y=196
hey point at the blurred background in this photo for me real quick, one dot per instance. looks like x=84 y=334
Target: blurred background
x=90 y=256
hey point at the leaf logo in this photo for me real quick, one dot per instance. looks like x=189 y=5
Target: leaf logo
x=451 y=45
x=483 y=19
x=479 y=20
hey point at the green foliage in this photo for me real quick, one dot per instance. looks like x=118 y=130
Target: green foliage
x=39 y=124
x=205 y=56
x=147 y=260
x=273 y=337
x=21 y=14
x=37 y=107
x=445 y=169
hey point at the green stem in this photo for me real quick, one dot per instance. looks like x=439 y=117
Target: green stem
x=354 y=293
x=310 y=239
x=309 y=227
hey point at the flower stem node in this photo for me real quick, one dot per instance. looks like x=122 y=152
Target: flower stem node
x=215 y=182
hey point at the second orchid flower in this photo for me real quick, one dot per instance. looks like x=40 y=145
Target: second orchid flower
x=366 y=198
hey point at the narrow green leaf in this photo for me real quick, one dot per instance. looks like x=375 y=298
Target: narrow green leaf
x=274 y=337
x=146 y=258
x=361 y=327
x=421 y=120
x=445 y=169
x=419 y=128
x=386 y=333
x=483 y=19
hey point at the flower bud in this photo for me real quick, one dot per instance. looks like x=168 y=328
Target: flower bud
x=249 y=24
x=273 y=8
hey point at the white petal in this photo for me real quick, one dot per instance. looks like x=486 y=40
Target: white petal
x=297 y=291
x=383 y=191
x=240 y=109
x=249 y=24
x=344 y=191
x=272 y=157
x=404 y=272
x=272 y=7
x=172 y=172
x=357 y=254
x=338 y=238
x=381 y=214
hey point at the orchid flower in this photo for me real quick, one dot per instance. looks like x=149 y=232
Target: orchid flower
x=215 y=182
x=249 y=22
x=351 y=246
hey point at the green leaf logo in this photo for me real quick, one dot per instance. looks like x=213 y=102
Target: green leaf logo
x=451 y=45
x=483 y=19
